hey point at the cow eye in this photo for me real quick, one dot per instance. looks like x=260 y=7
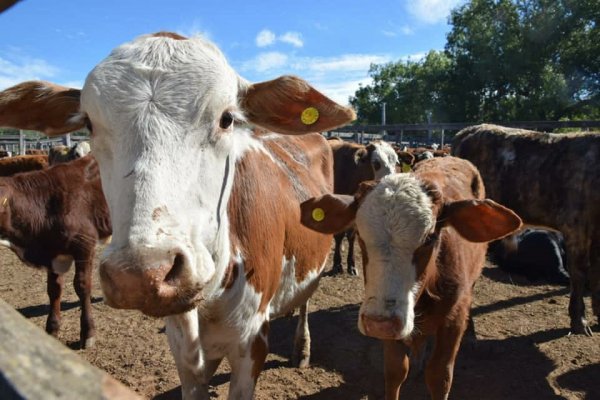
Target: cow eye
x=88 y=124
x=226 y=120
x=376 y=165
x=430 y=239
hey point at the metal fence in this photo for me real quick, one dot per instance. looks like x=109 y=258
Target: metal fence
x=20 y=143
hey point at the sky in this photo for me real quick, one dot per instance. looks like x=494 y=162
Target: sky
x=330 y=43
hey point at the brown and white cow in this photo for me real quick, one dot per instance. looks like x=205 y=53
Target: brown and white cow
x=354 y=163
x=423 y=239
x=51 y=218
x=60 y=154
x=551 y=180
x=206 y=216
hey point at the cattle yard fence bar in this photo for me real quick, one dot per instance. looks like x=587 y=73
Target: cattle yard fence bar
x=19 y=143
x=424 y=132
x=34 y=365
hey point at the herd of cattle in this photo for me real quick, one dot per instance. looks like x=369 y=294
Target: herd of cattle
x=219 y=228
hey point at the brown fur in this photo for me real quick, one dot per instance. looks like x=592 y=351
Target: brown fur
x=12 y=165
x=35 y=152
x=57 y=211
x=552 y=180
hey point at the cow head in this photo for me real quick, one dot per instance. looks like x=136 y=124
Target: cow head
x=380 y=155
x=168 y=120
x=399 y=221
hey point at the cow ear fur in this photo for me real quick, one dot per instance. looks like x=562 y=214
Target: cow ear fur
x=291 y=106
x=481 y=220
x=41 y=106
x=330 y=213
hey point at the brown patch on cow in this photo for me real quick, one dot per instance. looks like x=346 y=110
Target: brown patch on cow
x=265 y=217
x=157 y=213
x=231 y=275
x=259 y=350
x=170 y=35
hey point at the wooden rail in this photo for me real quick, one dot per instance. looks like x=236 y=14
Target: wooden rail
x=34 y=365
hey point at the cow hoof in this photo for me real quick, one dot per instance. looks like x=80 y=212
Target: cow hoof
x=352 y=271
x=88 y=343
x=337 y=269
x=581 y=328
x=303 y=362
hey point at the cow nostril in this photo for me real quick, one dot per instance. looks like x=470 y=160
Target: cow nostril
x=175 y=273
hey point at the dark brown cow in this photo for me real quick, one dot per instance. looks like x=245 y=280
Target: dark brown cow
x=551 y=180
x=60 y=154
x=12 y=165
x=36 y=152
x=422 y=237
x=352 y=164
x=51 y=218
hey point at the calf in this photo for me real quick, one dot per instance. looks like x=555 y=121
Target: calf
x=423 y=239
x=352 y=164
x=551 y=180
x=36 y=152
x=12 y=165
x=60 y=154
x=206 y=211
x=51 y=218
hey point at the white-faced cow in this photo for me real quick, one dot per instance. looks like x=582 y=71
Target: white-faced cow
x=551 y=180
x=352 y=164
x=51 y=218
x=423 y=239
x=206 y=216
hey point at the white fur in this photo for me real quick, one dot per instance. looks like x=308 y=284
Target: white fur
x=393 y=220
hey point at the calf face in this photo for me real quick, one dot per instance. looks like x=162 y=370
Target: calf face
x=381 y=156
x=399 y=221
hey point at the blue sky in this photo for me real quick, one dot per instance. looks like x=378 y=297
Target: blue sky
x=330 y=43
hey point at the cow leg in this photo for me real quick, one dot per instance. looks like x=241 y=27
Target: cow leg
x=440 y=368
x=395 y=365
x=184 y=341
x=54 y=284
x=578 y=265
x=82 y=282
x=337 y=253
x=594 y=280
x=247 y=362
x=351 y=234
x=301 y=352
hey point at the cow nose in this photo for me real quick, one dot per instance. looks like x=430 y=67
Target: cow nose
x=382 y=327
x=156 y=288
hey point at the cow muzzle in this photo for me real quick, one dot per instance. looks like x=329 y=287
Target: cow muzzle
x=157 y=288
x=379 y=327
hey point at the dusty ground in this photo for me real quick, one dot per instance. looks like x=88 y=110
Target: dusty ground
x=522 y=349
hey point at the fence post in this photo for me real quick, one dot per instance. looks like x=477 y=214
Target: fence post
x=68 y=140
x=442 y=145
x=21 y=142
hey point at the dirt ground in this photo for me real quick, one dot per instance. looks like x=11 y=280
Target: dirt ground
x=522 y=349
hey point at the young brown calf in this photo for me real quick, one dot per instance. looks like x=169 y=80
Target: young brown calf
x=51 y=218
x=423 y=238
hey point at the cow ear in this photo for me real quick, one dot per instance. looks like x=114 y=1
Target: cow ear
x=290 y=105
x=360 y=155
x=330 y=213
x=41 y=106
x=481 y=220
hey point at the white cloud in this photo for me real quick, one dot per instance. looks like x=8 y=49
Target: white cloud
x=265 y=38
x=14 y=70
x=293 y=38
x=265 y=62
x=407 y=30
x=341 y=91
x=343 y=63
x=194 y=29
x=431 y=11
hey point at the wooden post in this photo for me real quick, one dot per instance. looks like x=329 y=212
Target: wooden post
x=442 y=144
x=21 y=142
x=34 y=365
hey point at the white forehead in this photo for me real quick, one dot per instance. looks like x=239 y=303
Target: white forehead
x=396 y=212
x=384 y=152
x=186 y=80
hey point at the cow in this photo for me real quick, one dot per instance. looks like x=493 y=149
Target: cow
x=12 y=165
x=206 y=214
x=550 y=180
x=49 y=219
x=423 y=238
x=352 y=164
x=36 y=152
x=537 y=253
x=60 y=154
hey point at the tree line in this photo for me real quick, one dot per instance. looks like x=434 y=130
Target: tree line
x=504 y=60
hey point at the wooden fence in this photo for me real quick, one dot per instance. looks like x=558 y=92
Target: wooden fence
x=34 y=365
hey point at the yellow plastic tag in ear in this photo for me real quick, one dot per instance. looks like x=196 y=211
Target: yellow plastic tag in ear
x=406 y=168
x=318 y=214
x=309 y=116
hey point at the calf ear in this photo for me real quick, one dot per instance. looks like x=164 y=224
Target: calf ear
x=290 y=105
x=481 y=220
x=41 y=106
x=330 y=213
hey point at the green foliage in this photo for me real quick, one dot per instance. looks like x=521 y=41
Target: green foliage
x=504 y=60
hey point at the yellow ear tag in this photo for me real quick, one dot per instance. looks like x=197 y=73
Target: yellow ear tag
x=406 y=167
x=4 y=202
x=318 y=214
x=309 y=116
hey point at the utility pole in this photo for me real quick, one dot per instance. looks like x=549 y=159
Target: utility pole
x=383 y=132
